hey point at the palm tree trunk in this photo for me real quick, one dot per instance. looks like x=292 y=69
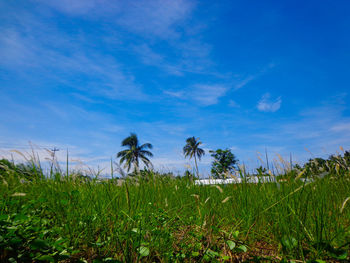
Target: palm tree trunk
x=195 y=161
x=136 y=165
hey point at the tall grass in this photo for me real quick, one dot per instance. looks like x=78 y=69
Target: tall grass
x=158 y=218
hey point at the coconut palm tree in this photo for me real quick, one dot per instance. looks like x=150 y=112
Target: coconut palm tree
x=192 y=149
x=134 y=153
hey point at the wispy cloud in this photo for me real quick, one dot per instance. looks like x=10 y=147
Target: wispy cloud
x=153 y=21
x=233 y=104
x=155 y=17
x=207 y=95
x=147 y=17
x=321 y=129
x=267 y=104
x=64 y=62
x=169 y=22
x=245 y=80
x=151 y=58
x=147 y=55
x=341 y=127
x=201 y=94
x=191 y=57
x=77 y=7
x=177 y=94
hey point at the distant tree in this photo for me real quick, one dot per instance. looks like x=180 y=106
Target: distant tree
x=224 y=162
x=5 y=167
x=317 y=165
x=262 y=171
x=191 y=149
x=347 y=157
x=24 y=170
x=134 y=153
x=188 y=175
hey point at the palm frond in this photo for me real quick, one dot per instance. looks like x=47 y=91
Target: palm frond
x=146 y=146
x=200 y=152
x=131 y=155
x=145 y=160
x=122 y=153
x=131 y=140
x=146 y=153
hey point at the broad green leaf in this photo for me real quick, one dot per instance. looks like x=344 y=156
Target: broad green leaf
x=111 y=260
x=231 y=244
x=75 y=193
x=46 y=258
x=15 y=241
x=143 y=251
x=339 y=254
x=4 y=217
x=38 y=244
x=212 y=253
x=64 y=253
x=64 y=202
x=135 y=230
x=242 y=248
x=20 y=217
x=195 y=254
x=289 y=242
x=226 y=258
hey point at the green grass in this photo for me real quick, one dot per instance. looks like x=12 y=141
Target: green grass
x=163 y=219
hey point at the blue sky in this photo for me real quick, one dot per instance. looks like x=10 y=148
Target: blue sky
x=245 y=75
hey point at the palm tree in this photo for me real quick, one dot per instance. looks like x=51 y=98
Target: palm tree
x=192 y=149
x=135 y=152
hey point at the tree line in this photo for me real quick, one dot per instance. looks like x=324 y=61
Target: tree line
x=224 y=163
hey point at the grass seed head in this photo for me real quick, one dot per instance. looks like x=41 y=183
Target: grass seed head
x=219 y=188
x=19 y=194
x=226 y=199
x=344 y=203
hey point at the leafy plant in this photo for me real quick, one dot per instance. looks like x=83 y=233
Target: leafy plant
x=225 y=162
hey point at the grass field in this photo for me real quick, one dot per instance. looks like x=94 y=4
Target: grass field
x=157 y=218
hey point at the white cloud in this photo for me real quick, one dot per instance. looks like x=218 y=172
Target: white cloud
x=267 y=104
x=207 y=95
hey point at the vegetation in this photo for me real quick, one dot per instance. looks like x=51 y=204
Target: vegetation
x=134 y=153
x=163 y=218
x=224 y=164
x=192 y=150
